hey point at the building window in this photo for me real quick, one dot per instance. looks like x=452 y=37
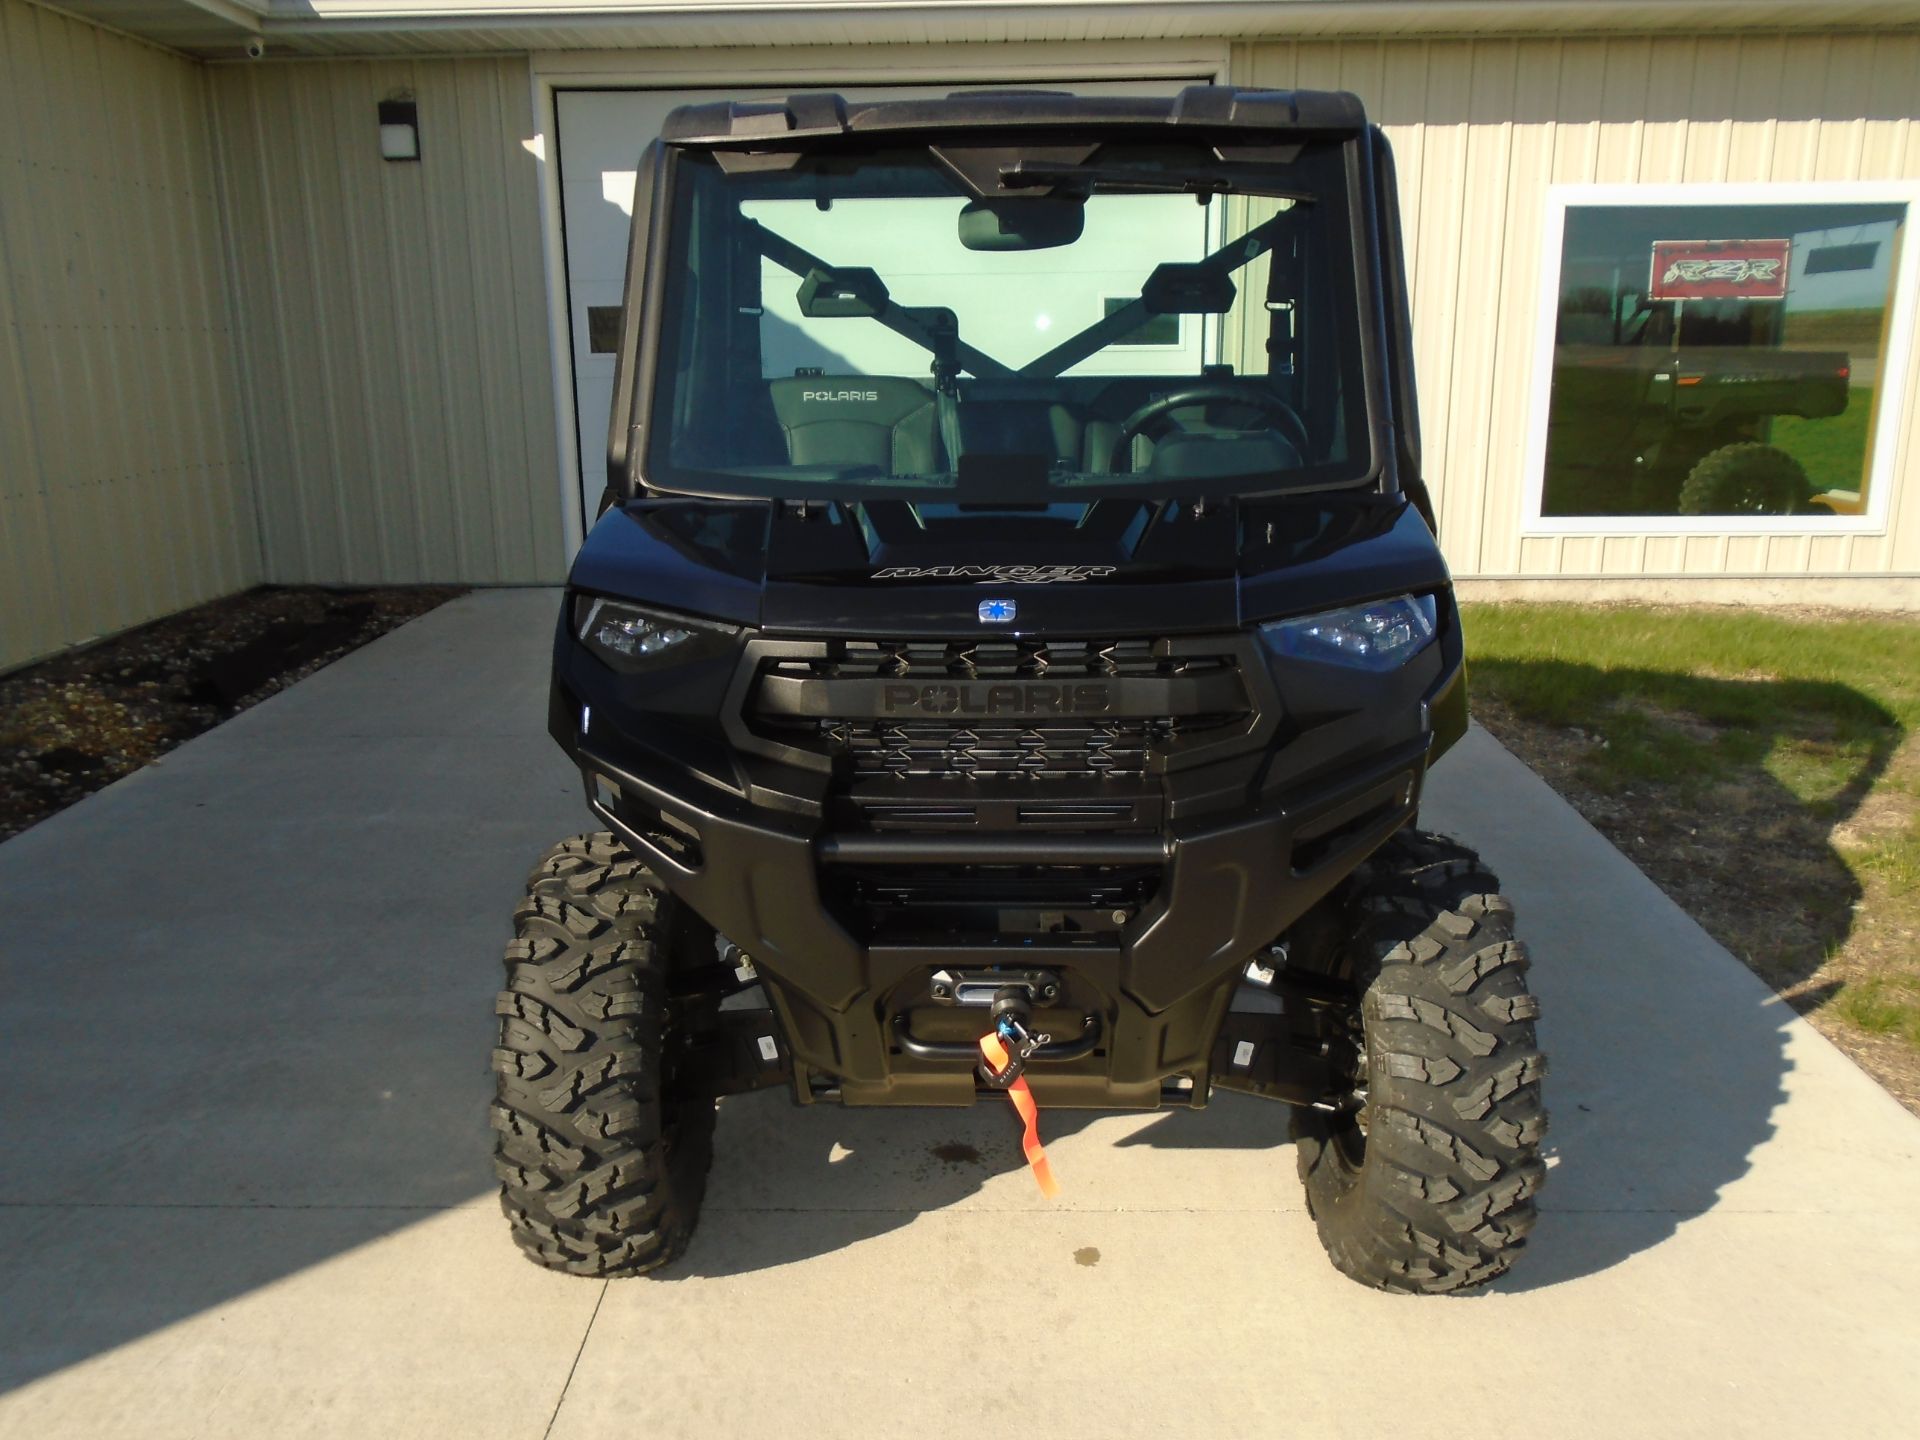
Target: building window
x=603 y=329
x=1157 y=331
x=1720 y=358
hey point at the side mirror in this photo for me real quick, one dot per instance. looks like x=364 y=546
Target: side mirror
x=1028 y=223
x=1177 y=289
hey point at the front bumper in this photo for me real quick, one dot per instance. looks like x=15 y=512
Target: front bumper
x=1142 y=1009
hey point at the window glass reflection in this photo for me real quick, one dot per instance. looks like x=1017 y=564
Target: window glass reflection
x=1718 y=359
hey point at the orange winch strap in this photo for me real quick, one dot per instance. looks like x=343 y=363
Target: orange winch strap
x=1023 y=1103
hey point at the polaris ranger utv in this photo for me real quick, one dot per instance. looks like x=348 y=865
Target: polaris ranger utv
x=1672 y=416
x=1014 y=625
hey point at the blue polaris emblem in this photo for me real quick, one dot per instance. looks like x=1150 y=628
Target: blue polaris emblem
x=996 y=612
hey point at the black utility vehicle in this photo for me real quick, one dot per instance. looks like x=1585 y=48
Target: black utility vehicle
x=1015 y=610
x=1655 y=420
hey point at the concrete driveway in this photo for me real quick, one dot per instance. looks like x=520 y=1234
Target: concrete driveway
x=244 y=1180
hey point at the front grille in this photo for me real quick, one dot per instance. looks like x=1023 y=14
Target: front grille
x=943 y=748
x=1000 y=709
x=1009 y=659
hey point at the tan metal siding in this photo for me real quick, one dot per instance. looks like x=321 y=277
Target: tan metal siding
x=124 y=487
x=1481 y=128
x=291 y=27
x=393 y=322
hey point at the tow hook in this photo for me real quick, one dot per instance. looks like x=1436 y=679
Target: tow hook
x=1010 y=1013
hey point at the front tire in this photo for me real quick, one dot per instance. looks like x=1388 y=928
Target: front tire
x=602 y=1166
x=1747 y=478
x=1424 y=1182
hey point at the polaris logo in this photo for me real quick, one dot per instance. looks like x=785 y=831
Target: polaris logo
x=1024 y=699
x=997 y=574
x=832 y=395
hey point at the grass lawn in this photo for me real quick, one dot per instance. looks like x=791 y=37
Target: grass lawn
x=1833 y=449
x=1763 y=768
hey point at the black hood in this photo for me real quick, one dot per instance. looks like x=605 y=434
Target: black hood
x=1113 y=566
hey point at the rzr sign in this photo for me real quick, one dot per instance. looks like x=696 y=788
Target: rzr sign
x=1719 y=270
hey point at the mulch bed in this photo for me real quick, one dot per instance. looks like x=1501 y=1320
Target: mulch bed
x=80 y=720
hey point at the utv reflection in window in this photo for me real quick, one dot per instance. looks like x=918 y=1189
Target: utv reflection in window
x=1718 y=359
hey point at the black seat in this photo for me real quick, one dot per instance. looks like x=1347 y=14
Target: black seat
x=885 y=421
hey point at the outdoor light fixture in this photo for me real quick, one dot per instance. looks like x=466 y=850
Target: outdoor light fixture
x=399 y=130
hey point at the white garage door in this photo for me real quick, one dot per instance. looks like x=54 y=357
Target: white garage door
x=601 y=135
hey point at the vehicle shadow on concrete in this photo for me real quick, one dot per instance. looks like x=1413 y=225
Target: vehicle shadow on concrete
x=791 y=1185
x=1669 y=1058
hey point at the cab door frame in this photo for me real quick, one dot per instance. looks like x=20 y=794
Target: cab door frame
x=780 y=71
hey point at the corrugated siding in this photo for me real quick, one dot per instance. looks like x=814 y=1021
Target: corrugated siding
x=569 y=24
x=124 y=491
x=1481 y=128
x=393 y=322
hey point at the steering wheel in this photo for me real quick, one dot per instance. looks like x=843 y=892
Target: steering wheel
x=1152 y=415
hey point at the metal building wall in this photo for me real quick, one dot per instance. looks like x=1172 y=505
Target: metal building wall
x=1481 y=128
x=124 y=485
x=392 y=321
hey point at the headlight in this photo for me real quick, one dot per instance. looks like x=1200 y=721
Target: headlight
x=630 y=638
x=1382 y=635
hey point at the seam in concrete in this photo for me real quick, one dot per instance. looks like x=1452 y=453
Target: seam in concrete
x=1717 y=1208
x=220 y=1205
x=567 y=1385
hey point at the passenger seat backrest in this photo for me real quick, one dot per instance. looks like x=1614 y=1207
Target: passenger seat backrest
x=880 y=420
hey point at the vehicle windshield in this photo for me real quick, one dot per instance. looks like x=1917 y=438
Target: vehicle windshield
x=1010 y=324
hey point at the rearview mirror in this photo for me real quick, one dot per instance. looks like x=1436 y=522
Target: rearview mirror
x=1038 y=222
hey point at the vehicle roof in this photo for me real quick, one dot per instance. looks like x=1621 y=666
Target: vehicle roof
x=809 y=118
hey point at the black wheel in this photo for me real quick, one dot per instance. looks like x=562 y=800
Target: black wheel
x=602 y=1166
x=1424 y=1179
x=1746 y=479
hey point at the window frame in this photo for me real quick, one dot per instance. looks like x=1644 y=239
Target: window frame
x=1893 y=381
x=1356 y=308
x=1179 y=342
